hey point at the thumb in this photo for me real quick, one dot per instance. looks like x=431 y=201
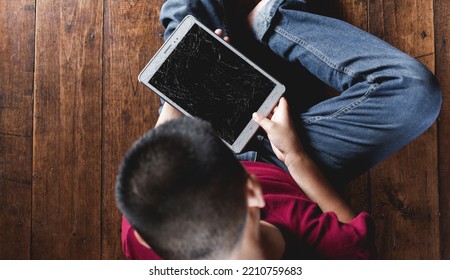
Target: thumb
x=265 y=123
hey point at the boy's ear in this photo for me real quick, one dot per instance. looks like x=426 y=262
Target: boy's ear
x=139 y=238
x=254 y=192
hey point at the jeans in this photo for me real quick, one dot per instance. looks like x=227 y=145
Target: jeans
x=386 y=98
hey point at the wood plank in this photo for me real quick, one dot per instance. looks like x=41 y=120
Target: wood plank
x=16 y=68
x=17 y=19
x=15 y=196
x=442 y=31
x=407 y=25
x=67 y=130
x=405 y=187
x=132 y=35
x=354 y=12
x=15 y=160
x=15 y=220
x=351 y=11
x=405 y=202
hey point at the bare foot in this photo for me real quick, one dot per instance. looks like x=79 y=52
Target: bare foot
x=251 y=16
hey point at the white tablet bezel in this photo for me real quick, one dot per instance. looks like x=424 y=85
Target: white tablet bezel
x=171 y=43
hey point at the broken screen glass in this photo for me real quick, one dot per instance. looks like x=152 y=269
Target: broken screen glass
x=213 y=83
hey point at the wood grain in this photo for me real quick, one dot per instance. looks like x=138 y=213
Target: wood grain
x=405 y=202
x=354 y=12
x=17 y=19
x=442 y=31
x=67 y=130
x=405 y=197
x=15 y=197
x=408 y=25
x=132 y=35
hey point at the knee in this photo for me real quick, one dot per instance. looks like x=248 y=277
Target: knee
x=209 y=12
x=172 y=13
x=422 y=98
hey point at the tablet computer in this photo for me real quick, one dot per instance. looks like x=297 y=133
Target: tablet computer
x=204 y=77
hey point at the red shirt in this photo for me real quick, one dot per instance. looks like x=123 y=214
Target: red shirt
x=308 y=232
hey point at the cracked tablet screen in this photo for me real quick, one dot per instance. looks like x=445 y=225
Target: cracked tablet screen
x=213 y=83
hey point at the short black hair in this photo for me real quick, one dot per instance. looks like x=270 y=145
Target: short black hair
x=183 y=191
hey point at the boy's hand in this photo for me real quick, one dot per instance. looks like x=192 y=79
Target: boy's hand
x=281 y=132
x=304 y=171
x=168 y=113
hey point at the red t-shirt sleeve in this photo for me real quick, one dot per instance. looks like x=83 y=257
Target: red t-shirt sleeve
x=131 y=247
x=319 y=235
x=353 y=240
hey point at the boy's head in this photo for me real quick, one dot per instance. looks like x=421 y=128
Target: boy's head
x=183 y=191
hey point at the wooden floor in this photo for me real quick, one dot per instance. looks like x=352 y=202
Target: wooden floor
x=71 y=105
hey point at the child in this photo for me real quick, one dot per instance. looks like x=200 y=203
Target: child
x=187 y=196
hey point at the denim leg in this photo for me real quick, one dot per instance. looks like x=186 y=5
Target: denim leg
x=387 y=98
x=214 y=14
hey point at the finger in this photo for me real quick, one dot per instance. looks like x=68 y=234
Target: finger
x=283 y=102
x=218 y=32
x=275 y=109
x=265 y=123
x=282 y=111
